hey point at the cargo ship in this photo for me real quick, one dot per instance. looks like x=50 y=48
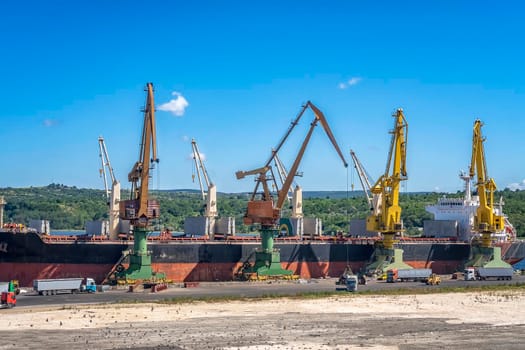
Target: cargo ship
x=28 y=256
x=32 y=253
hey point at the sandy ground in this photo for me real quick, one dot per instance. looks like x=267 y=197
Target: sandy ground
x=494 y=320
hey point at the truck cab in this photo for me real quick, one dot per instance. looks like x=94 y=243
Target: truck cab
x=90 y=286
x=470 y=274
x=391 y=276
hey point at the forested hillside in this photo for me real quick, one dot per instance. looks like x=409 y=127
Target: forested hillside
x=70 y=207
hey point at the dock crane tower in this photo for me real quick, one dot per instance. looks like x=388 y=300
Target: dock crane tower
x=387 y=220
x=139 y=209
x=264 y=211
x=209 y=195
x=486 y=219
x=113 y=194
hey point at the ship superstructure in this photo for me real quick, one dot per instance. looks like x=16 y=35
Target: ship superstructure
x=454 y=217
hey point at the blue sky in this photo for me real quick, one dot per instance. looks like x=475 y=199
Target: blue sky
x=72 y=71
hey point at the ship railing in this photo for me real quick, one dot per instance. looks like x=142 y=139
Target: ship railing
x=180 y=239
x=49 y=238
x=98 y=238
x=91 y=238
x=243 y=238
x=428 y=239
x=83 y=238
x=288 y=239
x=342 y=239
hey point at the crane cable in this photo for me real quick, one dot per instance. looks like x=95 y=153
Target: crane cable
x=157 y=190
x=348 y=211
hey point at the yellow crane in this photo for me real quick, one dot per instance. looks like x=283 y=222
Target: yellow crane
x=263 y=210
x=486 y=220
x=386 y=219
x=139 y=209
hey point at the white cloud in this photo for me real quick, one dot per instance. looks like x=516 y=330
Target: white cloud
x=185 y=138
x=516 y=186
x=202 y=155
x=354 y=81
x=176 y=106
x=49 y=123
x=351 y=82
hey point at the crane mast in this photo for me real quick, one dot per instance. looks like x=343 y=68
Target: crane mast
x=210 y=194
x=113 y=194
x=486 y=221
x=388 y=219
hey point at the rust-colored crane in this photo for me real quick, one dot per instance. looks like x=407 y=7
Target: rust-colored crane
x=262 y=209
x=140 y=209
x=266 y=211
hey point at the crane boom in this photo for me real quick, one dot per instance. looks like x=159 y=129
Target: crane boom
x=283 y=173
x=373 y=199
x=139 y=209
x=366 y=184
x=199 y=165
x=265 y=211
x=113 y=194
x=295 y=196
x=319 y=117
x=210 y=194
x=486 y=221
x=388 y=220
x=293 y=124
x=106 y=164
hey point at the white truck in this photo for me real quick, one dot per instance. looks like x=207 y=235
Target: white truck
x=395 y=275
x=483 y=273
x=64 y=285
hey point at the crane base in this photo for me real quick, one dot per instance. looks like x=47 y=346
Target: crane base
x=384 y=260
x=139 y=268
x=486 y=257
x=267 y=266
